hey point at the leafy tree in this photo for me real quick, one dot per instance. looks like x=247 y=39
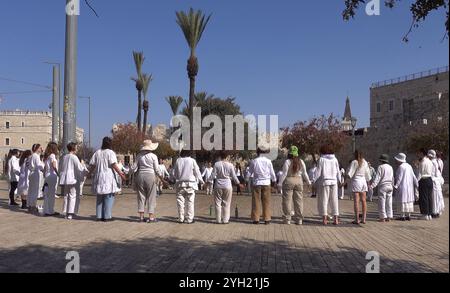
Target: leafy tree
x=433 y=136
x=165 y=151
x=127 y=139
x=420 y=9
x=310 y=135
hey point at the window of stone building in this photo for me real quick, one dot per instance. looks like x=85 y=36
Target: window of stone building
x=22 y=140
x=378 y=107
x=7 y=141
x=391 y=105
x=23 y=124
x=425 y=121
x=7 y=125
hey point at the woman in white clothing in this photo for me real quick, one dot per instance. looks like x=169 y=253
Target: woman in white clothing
x=224 y=173
x=208 y=178
x=294 y=176
x=36 y=168
x=342 y=184
x=51 y=178
x=147 y=172
x=359 y=173
x=438 y=182
x=105 y=182
x=13 y=172
x=327 y=177
x=22 y=187
x=70 y=168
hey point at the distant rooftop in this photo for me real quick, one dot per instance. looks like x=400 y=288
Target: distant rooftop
x=24 y=112
x=410 y=77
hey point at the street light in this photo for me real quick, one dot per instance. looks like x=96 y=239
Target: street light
x=354 y=123
x=58 y=95
x=90 y=136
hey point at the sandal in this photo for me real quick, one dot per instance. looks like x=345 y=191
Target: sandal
x=151 y=220
x=356 y=223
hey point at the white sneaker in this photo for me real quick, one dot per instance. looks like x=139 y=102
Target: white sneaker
x=430 y=218
x=69 y=217
x=299 y=222
x=425 y=218
x=287 y=222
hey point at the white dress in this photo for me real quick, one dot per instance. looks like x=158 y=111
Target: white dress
x=360 y=175
x=438 y=181
x=105 y=180
x=22 y=188
x=405 y=188
x=36 y=167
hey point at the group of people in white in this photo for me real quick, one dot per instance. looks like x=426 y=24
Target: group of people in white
x=400 y=189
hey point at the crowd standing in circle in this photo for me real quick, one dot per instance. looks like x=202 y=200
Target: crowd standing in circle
x=36 y=171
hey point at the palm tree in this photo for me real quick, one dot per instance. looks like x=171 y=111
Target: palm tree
x=146 y=79
x=175 y=103
x=193 y=24
x=139 y=61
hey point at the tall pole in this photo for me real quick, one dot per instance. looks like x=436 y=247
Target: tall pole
x=55 y=105
x=70 y=72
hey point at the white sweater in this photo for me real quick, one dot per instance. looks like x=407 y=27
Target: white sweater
x=328 y=172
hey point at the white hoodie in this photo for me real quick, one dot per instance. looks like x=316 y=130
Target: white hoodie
x=328 y=172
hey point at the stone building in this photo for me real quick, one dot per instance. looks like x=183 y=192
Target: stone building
x=398 y=107
x=347 y=120
x=21 y=129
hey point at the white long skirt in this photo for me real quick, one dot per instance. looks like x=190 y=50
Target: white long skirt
x=438 y=198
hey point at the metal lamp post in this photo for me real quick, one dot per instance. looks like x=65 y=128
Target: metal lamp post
x=354 y=122
x=56 y=104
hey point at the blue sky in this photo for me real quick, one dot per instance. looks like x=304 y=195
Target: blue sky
x=293 y=58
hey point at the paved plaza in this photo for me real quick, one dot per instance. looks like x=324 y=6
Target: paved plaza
x=38 y=244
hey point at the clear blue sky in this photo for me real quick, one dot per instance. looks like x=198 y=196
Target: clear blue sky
x=293 y=58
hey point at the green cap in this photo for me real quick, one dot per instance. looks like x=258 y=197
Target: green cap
x=293 y=151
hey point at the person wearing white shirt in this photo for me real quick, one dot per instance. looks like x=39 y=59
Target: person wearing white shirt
x=438 y=181
x=105 y=183
x=51 y=179
x=13 y=172
x=208 y=177
x=22 y=187
x=384 y=180
x=294 y=176
x=147 y=171
x=187 y=176
x=359 y=173
x=262 y=173
x=164 y=174
x=36 y=168
x=248 y=180
x=328 y=176
x=311 y=174
x=224 y=174
x=424 y=176
x=342 y=183
x=70 y=167
x=405 y=187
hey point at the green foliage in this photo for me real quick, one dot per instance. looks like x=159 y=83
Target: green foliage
x=193 y=24
x=420 y=9
x=174 y=103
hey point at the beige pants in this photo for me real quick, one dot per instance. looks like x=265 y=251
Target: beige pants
x=293 y=193
x=146 y=192
x=185 y=203
x=261 y=195
x=328 y=194
x=222 y=198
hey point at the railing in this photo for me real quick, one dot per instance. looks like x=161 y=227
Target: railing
x=410 y=77
x=8 y=112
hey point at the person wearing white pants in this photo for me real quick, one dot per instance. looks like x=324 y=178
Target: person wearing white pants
x=384 y=179
x=209 y=179
x=51 y=179
x=187 y=176
x=223 y=172
x=70 y=168
x=327 y=176
x=36 y=167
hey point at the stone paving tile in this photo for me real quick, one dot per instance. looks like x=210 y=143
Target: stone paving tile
x=37 y=244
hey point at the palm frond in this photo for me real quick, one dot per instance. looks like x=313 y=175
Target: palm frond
x=146 y=80
x=139 y=59
x=193 y=25
x=175 y=103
